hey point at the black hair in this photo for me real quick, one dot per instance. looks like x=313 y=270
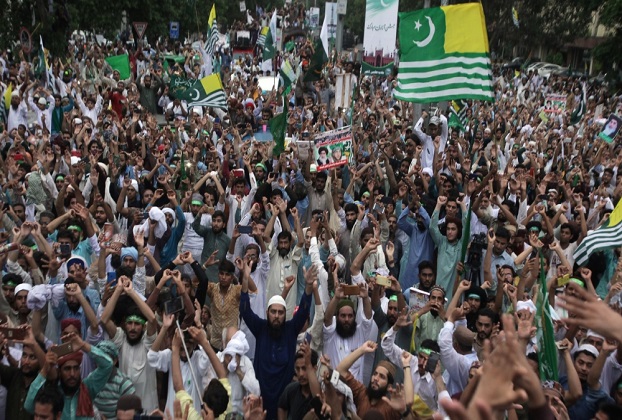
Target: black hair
x=503 y=233
x=426 y=264
x=226 y=266
x=351 y=207
x=219 y=213
x=612 y=411
x=487 y=312
x=430 y=344
x=314 y=356
x=216 y=397
x=50 y=395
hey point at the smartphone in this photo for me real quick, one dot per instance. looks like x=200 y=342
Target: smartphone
x=351 y=289
x=112 y=279
x=13 y=333
x=432 y=362
x=561 y=345
x=334 y=378
x=383 y=281
x=245 y=229
x=320 y=217
x=378 y=209
x=273 y=175
x=308 y=338
x=145 y=215
x=174 y=305
x=238 y=173
x=63 y=349
x=64 y=249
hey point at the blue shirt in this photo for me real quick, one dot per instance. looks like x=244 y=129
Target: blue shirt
x=274 y=357
x=169 y=252
x=94 y=383
x=421 y=246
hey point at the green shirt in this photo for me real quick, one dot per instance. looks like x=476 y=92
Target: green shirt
x=448 y=254
x=95 y=382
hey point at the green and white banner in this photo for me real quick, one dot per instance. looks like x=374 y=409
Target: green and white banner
x=380 y=31
x=384 y=71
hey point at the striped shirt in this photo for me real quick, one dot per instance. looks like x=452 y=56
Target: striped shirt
x=118 y=385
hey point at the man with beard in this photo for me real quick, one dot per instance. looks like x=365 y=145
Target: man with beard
x=343 y=246
x=425 y=384
x=429 y=320
x=18 y=380
x=343 y=332
x=427 y=277
x=318 y=191
x=395 y=303
x=10 y=282
x=284 y=259
x=192 y=241
x=134 y=340
x=457 y=355
x=78 y=393
x=415 y=221
x=276 y=338
x=215 y=239
x=17 y=111
x=486 y=319
x=370 y=398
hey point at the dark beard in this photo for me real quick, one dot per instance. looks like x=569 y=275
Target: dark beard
x=374 y=394
x=31 y=374
x=283 y=252
x=346 y=332
x=434 y=313
x=391 y=320
x=134 y=341
x=275 y=333
x=73 y=307
x=350 y=224
x=70 y=390
x=254 y=266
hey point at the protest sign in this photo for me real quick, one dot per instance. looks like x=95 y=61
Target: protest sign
x=333 y=148
x=611 y=128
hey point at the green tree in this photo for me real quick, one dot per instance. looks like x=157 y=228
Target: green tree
x=610 y=52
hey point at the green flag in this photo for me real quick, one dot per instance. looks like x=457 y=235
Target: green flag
x=466 y=235
x=287 y=77
x=278 y=125
x=268 y=49
x=178 y=85
x=120 y=63
x=457 y=114
x=444 y=55
x=319 y=58
x=545 y=335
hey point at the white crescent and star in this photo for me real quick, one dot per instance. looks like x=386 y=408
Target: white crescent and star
x=383 y=4
x=198 y=95
x=428 y=39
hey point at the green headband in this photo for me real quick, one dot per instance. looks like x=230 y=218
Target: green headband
x=474 y=296
x=393 y=298
x=74 y=227
x=10 y=283
x=136 y=319
x=425 y=351
x=196 y=203
x=262 y=166
x=577 y=281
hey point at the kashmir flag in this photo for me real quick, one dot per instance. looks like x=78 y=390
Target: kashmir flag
x=278 y=125
x=287 y=77
x=43 y=67
x=261 y=40
x=5 y=103
x=444 y=55
x=608 y=235
x=457 y=114
x=212 y=37
x=206 y=92
x=515 y=17
x=545 y=335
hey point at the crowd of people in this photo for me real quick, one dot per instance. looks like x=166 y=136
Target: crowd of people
x=158 y=259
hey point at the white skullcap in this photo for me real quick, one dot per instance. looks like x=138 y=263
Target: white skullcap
x=278 y=300
x=23 y=286
x=590 y=333
x=525 y=305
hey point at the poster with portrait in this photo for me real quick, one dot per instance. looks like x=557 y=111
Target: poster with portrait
x=333 y=148
x=554 y=104
x=611 y=128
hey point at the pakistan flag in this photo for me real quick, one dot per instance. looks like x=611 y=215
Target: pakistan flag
x=444 y=55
